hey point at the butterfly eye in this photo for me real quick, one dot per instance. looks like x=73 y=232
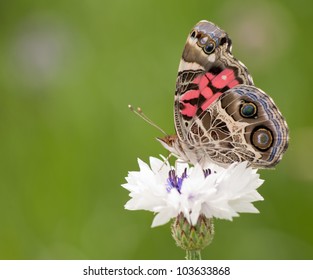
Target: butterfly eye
x=248 y=110
x=209 y=47
x=262 y=138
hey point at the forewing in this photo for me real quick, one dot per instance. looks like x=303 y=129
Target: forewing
x=203 y=77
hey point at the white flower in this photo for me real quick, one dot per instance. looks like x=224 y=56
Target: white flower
x=215 y=192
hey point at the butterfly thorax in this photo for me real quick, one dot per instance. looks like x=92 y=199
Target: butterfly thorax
x=184 y=151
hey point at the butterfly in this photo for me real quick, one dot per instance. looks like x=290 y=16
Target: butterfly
x=219 y=115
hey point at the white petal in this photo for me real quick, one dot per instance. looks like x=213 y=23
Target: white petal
x=159 y=167
x=194 y=216
x=162 y=218
x=143 y=166
x=180 y=167
x=244 y=207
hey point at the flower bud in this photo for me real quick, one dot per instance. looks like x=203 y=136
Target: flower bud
x=192 y=237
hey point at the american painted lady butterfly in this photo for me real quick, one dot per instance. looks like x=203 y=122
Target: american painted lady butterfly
x=220 y=116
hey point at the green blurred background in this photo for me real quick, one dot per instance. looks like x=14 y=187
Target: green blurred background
x=68 y=70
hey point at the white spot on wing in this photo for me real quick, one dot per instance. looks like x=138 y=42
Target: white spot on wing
x=211 y=57
x=183 y=65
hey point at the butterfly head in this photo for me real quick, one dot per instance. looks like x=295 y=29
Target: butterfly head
x=206 y=43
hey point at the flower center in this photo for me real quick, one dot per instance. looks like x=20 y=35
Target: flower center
x=175 y=182
x=207 y=172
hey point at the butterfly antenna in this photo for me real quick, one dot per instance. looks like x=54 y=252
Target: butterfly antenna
x=140 y=114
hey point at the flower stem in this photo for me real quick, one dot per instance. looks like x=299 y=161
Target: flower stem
x=193 y=255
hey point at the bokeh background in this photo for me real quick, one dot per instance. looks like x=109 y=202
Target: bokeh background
x=68 y=70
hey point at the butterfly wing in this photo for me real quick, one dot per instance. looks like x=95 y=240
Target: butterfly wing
x=214 y=96
x=243 y=124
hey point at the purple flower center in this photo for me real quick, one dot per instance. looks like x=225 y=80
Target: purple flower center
x=207 y=172
x=175 y=182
